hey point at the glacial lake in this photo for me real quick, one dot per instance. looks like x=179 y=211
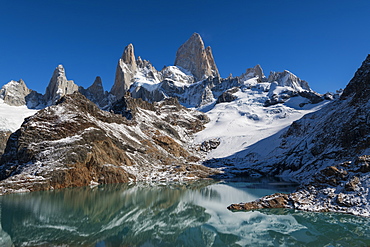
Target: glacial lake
x=175 y=214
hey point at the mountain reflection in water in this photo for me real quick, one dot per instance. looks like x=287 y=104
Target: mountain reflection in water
x=179 y=214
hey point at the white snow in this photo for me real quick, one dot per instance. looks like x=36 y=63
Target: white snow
x=245 y=121
x=12 y=117
x=141 y=79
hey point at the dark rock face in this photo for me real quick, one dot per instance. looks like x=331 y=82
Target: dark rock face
x=128 y=106
x=96 y=93
x=359 y=86
x=313 y=97
x=74 y=143
x=208 y=145
x=4 y=136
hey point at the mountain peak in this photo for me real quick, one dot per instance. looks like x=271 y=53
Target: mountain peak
x=196 y=38
x=14 y=93
x=359 y=86
x=194 y=57
x=97 y=88
x=126 y=69
x=59 y=86
x=128 y=56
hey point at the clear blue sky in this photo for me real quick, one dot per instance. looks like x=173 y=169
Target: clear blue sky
x=322 y=42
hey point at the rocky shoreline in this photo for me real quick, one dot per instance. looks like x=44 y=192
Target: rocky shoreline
x=343 y=189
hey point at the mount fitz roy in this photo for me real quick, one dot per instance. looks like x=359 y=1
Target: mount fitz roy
x=194 y=80
x=186 y=122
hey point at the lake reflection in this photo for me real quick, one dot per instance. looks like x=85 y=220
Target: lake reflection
x=181 y=214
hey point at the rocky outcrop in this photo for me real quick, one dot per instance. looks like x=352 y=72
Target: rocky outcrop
x=208 y=145
x=342 y=188
x=125 y=72
x=128 y=107
x=197 y=59
x=227 y=96
x=59 y=86
x=74 y=143
x=4 y=136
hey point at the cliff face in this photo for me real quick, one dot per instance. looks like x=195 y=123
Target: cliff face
x=74 y=143
x=197 y=59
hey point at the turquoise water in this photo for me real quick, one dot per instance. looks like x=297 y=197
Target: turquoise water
x=181 y=214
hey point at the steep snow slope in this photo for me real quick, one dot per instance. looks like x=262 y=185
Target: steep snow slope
x=246 y=120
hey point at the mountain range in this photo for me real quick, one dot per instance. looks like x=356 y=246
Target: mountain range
x=185 y=122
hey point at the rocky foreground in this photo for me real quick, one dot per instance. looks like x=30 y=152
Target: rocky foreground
x=74 y=143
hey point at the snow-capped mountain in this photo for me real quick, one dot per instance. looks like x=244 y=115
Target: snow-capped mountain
x=74 y=143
